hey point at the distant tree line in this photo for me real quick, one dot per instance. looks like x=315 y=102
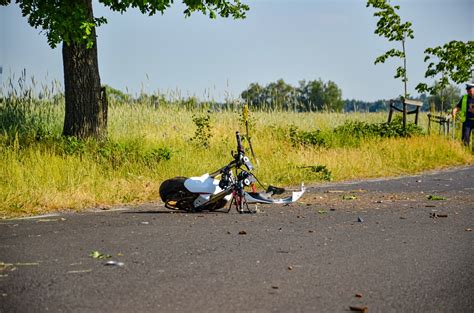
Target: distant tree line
x=316 y=95
x=441 y=99
x=308 y=96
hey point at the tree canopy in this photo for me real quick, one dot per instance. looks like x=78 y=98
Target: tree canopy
x=453 y=61
x=68 y=20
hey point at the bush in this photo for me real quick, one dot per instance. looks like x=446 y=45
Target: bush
x=352 y=133
x=307 y=138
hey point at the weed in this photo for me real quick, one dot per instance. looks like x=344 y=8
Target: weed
x=203 y=132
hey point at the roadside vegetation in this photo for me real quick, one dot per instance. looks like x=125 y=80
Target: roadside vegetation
x=152 y=138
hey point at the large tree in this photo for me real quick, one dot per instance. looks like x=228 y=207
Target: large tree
x=72 y=23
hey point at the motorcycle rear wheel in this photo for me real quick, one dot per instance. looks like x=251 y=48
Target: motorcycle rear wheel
x=175 y=195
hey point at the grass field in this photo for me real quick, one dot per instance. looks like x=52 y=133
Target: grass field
x=40 y=171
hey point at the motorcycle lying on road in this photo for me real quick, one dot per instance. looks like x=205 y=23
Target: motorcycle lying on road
x=214 y=191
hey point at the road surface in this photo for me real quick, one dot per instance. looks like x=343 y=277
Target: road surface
x=379 y=244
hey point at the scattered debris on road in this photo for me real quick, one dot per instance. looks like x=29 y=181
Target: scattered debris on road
x=360 y=219
x=349 y=197
x=114 y=263
x=436 y=215
x=80 y=271
x=435 y=197
x=242 y=232
x=363 y=309
x=98 y=255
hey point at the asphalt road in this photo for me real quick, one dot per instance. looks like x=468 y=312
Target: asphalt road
x=371 y=244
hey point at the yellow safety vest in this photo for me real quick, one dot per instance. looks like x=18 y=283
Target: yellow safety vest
x=463 y=111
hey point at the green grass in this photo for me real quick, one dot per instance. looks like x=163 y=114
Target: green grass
x=42 y=172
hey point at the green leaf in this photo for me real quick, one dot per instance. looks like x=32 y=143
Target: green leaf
x=349 y=197
x=97 y=255
x=435 y=198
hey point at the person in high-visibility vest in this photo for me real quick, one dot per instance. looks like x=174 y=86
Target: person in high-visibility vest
x=465 y=108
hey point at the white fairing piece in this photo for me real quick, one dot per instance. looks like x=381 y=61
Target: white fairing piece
x=262 y=198
x=202 y=184
x=205 y=186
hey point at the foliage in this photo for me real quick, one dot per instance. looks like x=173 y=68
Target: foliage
x=306 y=138
x=70 y=21
x=364 y=130
x=390 y=26
x=352 y=133
x=323 y=172
x=203 y=132
x=443 y=98
x=454 y=63
x=309 y=96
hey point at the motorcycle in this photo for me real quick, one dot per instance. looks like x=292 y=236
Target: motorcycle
x=213 y=191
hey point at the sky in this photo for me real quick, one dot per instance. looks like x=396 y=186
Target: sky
x=292 y=40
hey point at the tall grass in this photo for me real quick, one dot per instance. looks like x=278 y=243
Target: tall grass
x=40 y=171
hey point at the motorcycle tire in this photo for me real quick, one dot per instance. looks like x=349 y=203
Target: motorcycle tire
x=215 y=206
x=175 y=195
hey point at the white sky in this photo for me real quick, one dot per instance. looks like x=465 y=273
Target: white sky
x=214 y=59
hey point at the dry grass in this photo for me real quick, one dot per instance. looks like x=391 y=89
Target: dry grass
x=37 y=177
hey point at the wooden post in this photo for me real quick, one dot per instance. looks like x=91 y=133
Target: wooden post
x=416 y=115
x=429 y=123
x=404 y=115
x=390 y=113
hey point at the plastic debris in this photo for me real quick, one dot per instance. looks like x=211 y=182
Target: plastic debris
x=360 y=219
x=114 y=263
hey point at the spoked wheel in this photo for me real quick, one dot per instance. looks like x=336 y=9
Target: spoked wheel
x=175 y=195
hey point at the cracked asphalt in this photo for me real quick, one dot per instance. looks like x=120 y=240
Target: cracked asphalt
x=381 y=244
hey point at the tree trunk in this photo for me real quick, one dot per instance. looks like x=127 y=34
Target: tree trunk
x=86 y=105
